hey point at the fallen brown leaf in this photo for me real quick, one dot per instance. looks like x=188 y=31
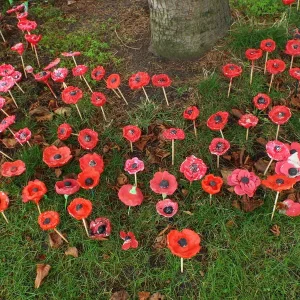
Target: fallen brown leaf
x=262 y=141
x=157 y=296
x=63 y=111
x=120 y=295
x=9 y=143
x=160 y=242
x=122 y=179
x=230 y=224
x=250 y=204
x=188 y=212
x=57 y=172
x=143 y=295
x=72 y=251
x=261 y=165
x=236 y=112
x=225 y=173
x=184 y=192
x=142 y=142
x=275 y=230
x=55 y=241
x=236 y=204
x=41 y=114
x=42 y=271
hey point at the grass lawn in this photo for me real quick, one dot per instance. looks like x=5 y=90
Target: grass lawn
x=240 y=257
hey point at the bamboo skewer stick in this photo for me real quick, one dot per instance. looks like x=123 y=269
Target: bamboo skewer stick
x=25 y=73
x=165 y=94
x=12 y=97
x=274 y=207
x=61 y=235
x=85 y=227
x=4 y=216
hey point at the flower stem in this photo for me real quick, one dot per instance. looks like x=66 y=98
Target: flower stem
x=165 y=95
x=229 y=88
x=61 y=235
x=222 y=133
x=12 y=97
x=78 y=111
x=146 y=94
x=19 y=87
x=297 y=85
x=265 y=68
x=218 y=161
x=25 y=73
x=36 y=55
x=6 y=155
x=87 y=84
x=131 y=147
x=64 y=85
x=252 y=70
x=38 y=208
x=272 y=78
x=4 y=216
x=85 y=227
x=274 y=207
x=173 y=151
x=267 y=168
x=210 y=199
x=181 y=265
x=122 y=96
x=135 y=179
x=292 y=60
x=103 y=113
x=2 y=37
x=195 y=129
x=48 y=85
x=277 y=132
x=5 y=112
x=128 y=210
x=247 y=134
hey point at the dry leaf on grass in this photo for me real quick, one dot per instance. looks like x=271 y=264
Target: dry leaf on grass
x=58 y=172
x=55 y=241
x=262 y=141
x=249 y=204
x=261 y=165
x=9 y=143
x=122 y=179
x=63 y=111
x=41 y=114
x=275 y=230
x=72 y=251
x=157 y=296
x=42 y=271
x=225 y=173
x=120 y=295
x=142 y=142
x=144 y=295
x=188 y=212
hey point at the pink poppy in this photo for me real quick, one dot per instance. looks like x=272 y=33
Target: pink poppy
x=294 y=148
x=33 y=39
x=167 y=208
x=59 y=75
x=248 y=120
x=52 y=64
x=277 y=150
x=163 y=183
x=19 y=48
x=290 y=208
x=71 y=53
x=134 y=165
x=6 y=70
x=67 y=187
x=27 y=25
x=288 y=169
x=6 y=122
x=100 y=229
x=129 y=240
x=79 y=70
x=6 y=83
x=42 y=76
x=22 y=16
x=16 y=8
x=130 y=195
x=23 y=135
x=193 y=168
x=219 y=146
x=16 y=75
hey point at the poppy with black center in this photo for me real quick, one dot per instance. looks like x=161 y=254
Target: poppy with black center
x=92 y=160
x=163 y=183
x=48 y=220
x=212 y=184
x=56 y=157
x=15 y=168
x=88 y=139
x=34 y=191
x=80 y=208
x=88 y=178
x=167 y=208
x=100 y=228
x=67 y=187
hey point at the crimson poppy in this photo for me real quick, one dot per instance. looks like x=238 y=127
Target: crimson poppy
x=129 y=240
x=27 y=25
x=295 y=148
x=88 y=178
x=79 y=70
x=19 y=48
x=174 y=134
x=279 y=182
x=193 y=168
x=98 y=73
x=280 y=114
x=253 y=54
x=67 y=187
x=212 y=184
x=100 y=228
x=218 y=120
x=163 y=183
x=292 y=47
x=64 y=131
x=88 y=139
x=248 y=120
x=219 y=146
x=42 y=76
x=130 y=195
x=16 y=8
x=288 y=2
x=268 y=45
x=131 y=133
x=17 y=76
x=184 y=244
x=231 y=71
x=161 y=80
x=80 y=208
x=52 y=64
x=134 y=165
x=139 y=80
x=295 y=73
x=191 y=113
x=22 y=16
x=23 y=135
x=98 y=99
x=6 y=70
x=261 y=101
x=2 y=102
x=34 y=191
x=167 y=208
x=275 y=66
x=288 y=168
x=15 y=168
x=48 y=220
x=6 y=122
x=33 y=39
x=59 y=75
x=71 y=95
x=277 y=150
x=113 y=81
x=92 y=160
x=6 y=83
x=4 y=201
x=290 y=208
x=71 y=53
x=56 y=157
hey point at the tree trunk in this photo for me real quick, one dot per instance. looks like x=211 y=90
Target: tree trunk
x=186 y=29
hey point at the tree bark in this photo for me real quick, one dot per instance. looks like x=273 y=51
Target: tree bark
x=186 y=29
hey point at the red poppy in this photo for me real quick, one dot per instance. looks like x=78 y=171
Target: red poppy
x=184 y=244
x=292 y=47
x=34 y=191
x=16 y=8
x=279 y=183
x=23 y=135
x=6 y=70
x=27 y=25
x=268 y=45
x=42 y=76
x=88 y=139
x=59 y=75
x=6 y=122
x=275 y=66
x=71 y=53
x=253 y=54
x=248 y=120
x=2 y=102
x=261 y=101
x=167 y=208
x=288 y=2
x=280 y=114
x=295 y=73
x=219 y=146
x=129 y=240
x=212 y=184
x=48 y=219
x=67 y=187
x=64 y=131
x=131 y=133
x=163 y=183
x=161 y=80
x=277 y=150
x=218 y=120
x=173 y=134
x=288 y=169
x=113 y=81
x=79 y=70
x=80 y=208
x=100 y=228
x=231 y=70
x=52 y=64
x=191 y=113
x=290 y=208
x=138 y=80
x=19 y=47
x=22 y=16
x=92 y=160
x=33 y=39
x=193 y=168
x=295 y=148
x=16 y=75
x=134 y=165
x=98 y=99
x=71 y=95
x=4 y=201
x=88 y=178
x=56 y=157
x=6 y=83
x=130 y=195
x=98 y=73
x=15 y=168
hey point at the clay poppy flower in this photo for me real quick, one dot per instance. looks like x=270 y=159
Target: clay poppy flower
x=279 y=115
x=173 y=134
x=193 y=168
x=4 y=202
x=98 y=73
x=98 y=99
x=274 y=67
x=129 y=240
x=163 y=183
x=288 y=2
x=218 y=121
x=6 y=84
x=92 y=160
x=71 y=53
x=292 y=48
x=253 y=55
x=22 y=16
x=67 y=187
x=56 y=157
x=113 y=82
x=52 y=64
x=212 y=185
x=79 y=70
x=33 y=39
x=295 y=73
x=261 y=101
x=64 y=131
x=71 y=95
x=167 y=208
x=16 y=8
x=19 y=48
x=59 y=75
x=192 y=113
x=219 y=146
x=290 y=208
x=23 y=135
x=17 y=76
x=48 y=220
x=244 y=182
x=288 y=168
x=268 y=46
x=132 y=134
x=134 y=165
x=15 y=168
x=248 y=121
x=231 y=71
x=43 y=77
x=34 y=191
x=88 y=139
x=6 y=70
x=163 y=81
x=29 y=69
x=88 y=178
x=2 y=104
x=295 y=148
x=27 y=25
x=80 y=209
x=6 y=122
x=130 y=195
x=138 y=81
x=100 y=229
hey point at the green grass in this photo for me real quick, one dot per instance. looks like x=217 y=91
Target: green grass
x=240 y=261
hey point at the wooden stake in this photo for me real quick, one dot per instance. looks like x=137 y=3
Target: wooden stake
x=247 y=134
x=36 y=55
x=4 y=216
x=218 y=161
x=74 y=61
x=38 y=207
x=128 y=210
x=135 y=179
x=48 y=85
x=122 y=96
x=210 y=199
x=87 y=84
x=61 y=235
x=222 y=135
x=181 y=265
x=6 y=155
x=229 y=88
x=64 y=85
x=12 y=97
x=268 y=166
x=5 y=112
x=292 y=60
x=146 y=94
x=79 y=111
x=251 y=74
x=104 y=117
x=165 y=95
x=131 y=147
x=274 y=207
x=19 y=87
x=298 y=5
x=85 y=227
x=2 y=37
x=25 y=73
x=195 y=129
x=277 y=132
x=28 y=144
x=272 y=78
x=265 y=68
x=173 y=151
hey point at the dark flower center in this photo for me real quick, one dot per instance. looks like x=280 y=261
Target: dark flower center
x=189 y=112
x=13 y=169
x=293 y=151
x=218 y=119
x=127 y=238
x=295 y=46
x=182 y=242
x=168 y=210
x=87 y=138
x=89 y=181
x=231 y=68
x=281 y=114
x=194 y=168
x=219 y=146
x=212 y=183
x=134 y=165
x=47 y=221
x=98 y=73
x=23 y=136
x=137 y=78
x=43 y=73
x=101 y=229
x=35 y=190
x=279 y=181
x=245 y=180
x=67 y=183
x=261 y=100
x=269 y=44
x=113 y=80
x=276 y=66
x=293 y=171
x=73 y=93
x=277 y=148
x=62 y=131
x=92 y=163
x=78 y=207
x=164 y=184
x=57 y=156
x=173 y=131
x=131 y=131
